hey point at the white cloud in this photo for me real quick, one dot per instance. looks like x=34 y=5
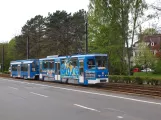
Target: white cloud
x=155 y=22
x=15 y=13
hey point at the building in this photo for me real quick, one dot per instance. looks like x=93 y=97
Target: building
x=152 y=41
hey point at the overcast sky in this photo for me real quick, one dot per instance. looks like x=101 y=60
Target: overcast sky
x=15 y=13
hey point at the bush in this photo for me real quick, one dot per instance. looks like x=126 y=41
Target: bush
x=114 y=79
x=139 y=80
x=134 y=80
x=6 y=72
x=157 y=68
x=127 y=79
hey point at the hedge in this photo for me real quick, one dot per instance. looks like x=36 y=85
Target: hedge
x=6 y=72
x=134 y=80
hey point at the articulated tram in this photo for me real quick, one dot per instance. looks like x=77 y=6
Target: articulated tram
x=78 y=69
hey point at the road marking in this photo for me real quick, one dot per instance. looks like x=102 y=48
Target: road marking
x=120 y=117
x=86 y=107
x=113 y=96
x=112 y=109
x=87 y=92
x=13 y=88
x=38 y=94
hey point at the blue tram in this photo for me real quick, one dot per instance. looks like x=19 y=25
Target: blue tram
x=27 y=69
x=15 y=68
x=50 y=68
x=84 y=69
x=77 y=69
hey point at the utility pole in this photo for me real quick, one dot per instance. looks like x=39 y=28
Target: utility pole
x=28 y=47
x=86 y=31
x=86 y=37
x=2 y=58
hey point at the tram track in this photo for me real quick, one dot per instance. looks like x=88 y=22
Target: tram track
x=132 y=89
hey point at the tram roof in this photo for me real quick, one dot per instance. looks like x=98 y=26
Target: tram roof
x=76 y=55
x=22 y=61
x=15 y=63
x=89 y=55
x=53 y=58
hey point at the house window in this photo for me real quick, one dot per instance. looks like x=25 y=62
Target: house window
x=152 y=43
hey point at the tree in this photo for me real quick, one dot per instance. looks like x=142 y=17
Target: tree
x=78 y=31
x=136 y=12
x=12 y=53
x=109 y=30
x=20 y=46
x=59 y=33
x=6 y=61
x=157 y=68
x=9 y=53
x=34 y=30
x=65 y=32
x=144 y=56
x=105 y=32
x=56 y=31
x=150 y=31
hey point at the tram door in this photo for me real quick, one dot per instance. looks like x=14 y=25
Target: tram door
x=57 y=70
x=81 y=71
x=28 y=70
x=19 y=71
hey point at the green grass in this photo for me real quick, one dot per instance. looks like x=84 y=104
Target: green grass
x=148 y=74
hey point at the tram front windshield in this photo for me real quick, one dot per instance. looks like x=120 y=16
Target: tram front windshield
x=101 y=62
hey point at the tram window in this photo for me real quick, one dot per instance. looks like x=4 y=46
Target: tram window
x=37 y=63
x=25 y=67
x=62 y=61
x=40 y=66
x=33 y=67
x=81 y=64
x=57 y=68
x=45 y=64
x=22 y=67
x=91 y=63
x=81 y=68
x=14 y=67
x=101 y=62
x=51 y=64
x=74 y=62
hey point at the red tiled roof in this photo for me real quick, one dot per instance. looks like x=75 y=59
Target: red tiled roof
x=156 y=39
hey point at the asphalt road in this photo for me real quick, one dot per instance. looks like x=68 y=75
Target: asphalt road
x=21 y=100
